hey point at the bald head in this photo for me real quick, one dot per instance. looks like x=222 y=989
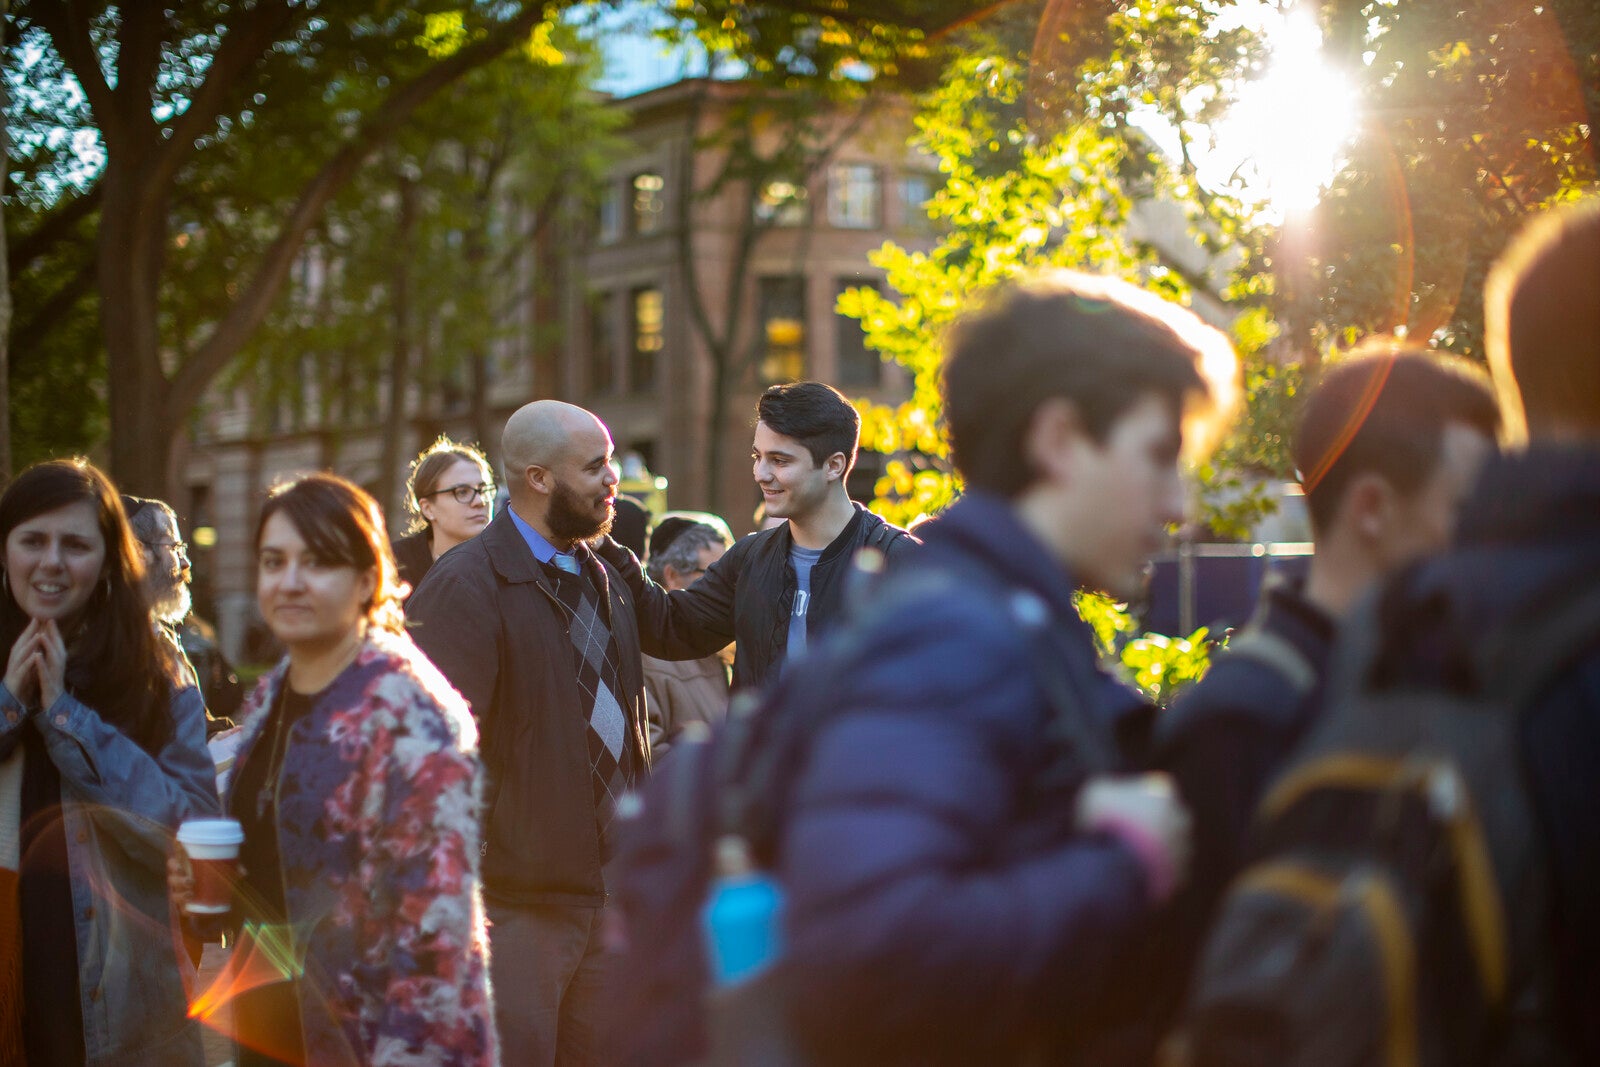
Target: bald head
x=540 y=434
x=558 y=460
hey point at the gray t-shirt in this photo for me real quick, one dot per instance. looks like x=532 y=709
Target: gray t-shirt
x=803 y=560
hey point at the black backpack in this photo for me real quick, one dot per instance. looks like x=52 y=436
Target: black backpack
x=735 y=781
x=1395 y=914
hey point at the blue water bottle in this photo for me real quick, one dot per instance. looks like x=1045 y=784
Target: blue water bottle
x=742 y=921
x=742 y=916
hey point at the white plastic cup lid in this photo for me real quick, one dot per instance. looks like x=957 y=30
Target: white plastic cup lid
x=211 y=832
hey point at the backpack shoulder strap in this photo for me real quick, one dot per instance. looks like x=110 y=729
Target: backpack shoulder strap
x=1077 y=745
x=883 y=535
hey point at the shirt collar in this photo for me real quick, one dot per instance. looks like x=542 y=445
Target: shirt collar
x=543 y=550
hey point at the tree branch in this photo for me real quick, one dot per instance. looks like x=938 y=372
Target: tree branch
x=258 y=295
x=68 y=27
x=56 y=227
x=255 y=29
x=25 y=337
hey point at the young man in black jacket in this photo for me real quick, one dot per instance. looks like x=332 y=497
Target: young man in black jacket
x=776 y=590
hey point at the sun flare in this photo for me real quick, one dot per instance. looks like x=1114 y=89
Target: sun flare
x=1289 y=128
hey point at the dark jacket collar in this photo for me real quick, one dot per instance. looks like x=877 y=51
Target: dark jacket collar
x=843 y=543
x=1548 y=492
x=508 y=552
x=1529 y=531
x=985 y=526
x=1284 y=610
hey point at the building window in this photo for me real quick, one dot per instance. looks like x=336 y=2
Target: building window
x=858 y=365
x=610 y=220
x=649 y=204
x=782 y=202
x=648 y=339
x=602 y=358
x=915 y=192
x=783 y=329
x=853 y=196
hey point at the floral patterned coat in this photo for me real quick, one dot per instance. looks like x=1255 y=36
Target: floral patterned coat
x=378 y=831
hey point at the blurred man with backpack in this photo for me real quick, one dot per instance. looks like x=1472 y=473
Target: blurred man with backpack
x=1430 y=858
x=1533 y=530
x=1388 y=445
x=965 y=850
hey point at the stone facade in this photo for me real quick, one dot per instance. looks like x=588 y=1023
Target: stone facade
x=611 y=328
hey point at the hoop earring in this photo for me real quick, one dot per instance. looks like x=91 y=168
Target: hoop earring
x=105 y=584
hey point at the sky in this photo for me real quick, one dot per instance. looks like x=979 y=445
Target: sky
x=635 y=62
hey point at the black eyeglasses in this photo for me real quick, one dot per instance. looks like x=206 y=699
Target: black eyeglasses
x=178 y=548
x=464 y=494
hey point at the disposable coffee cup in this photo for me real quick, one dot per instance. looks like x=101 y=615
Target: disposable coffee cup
x=213 y=849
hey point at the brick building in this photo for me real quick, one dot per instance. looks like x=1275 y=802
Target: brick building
x=609 y=321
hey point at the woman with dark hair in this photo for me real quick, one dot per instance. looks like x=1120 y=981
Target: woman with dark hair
x=102 y=754
x=357 y=788
x=450 y=496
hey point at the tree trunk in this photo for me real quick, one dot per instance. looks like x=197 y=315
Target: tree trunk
x=129 y=260
x=395 y=415
x=550 y=246
x=5 y=281
x=145 y=405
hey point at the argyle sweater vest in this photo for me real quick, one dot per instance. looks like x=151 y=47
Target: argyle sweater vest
x=611 y=758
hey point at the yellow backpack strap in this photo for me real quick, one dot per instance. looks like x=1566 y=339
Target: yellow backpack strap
x=1482 y=910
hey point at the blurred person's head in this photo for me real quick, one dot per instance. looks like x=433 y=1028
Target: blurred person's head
x=630 y=525
x=324 y=572
x=1542 y=326
x=1070 y=396
x=166 y=557
x=70 y=557
x=1388 y=445
x=682 y=549
x=805 y=444
x=450 y=493
x=561 y=471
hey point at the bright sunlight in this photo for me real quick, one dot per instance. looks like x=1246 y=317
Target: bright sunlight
x=1288 y=130
x=1281 y=142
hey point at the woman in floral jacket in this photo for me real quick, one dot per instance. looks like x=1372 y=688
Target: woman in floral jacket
x=357 y=783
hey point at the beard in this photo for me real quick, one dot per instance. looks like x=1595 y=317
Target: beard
x=169 y=598
x=572 y=518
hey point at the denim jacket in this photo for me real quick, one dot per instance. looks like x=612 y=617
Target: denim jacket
x=120 y=807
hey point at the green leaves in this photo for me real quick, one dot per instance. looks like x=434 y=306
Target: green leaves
x=1159 y=665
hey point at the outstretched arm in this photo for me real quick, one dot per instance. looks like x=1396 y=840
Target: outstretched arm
x=684 y=623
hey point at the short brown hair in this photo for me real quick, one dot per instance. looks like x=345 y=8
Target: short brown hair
x=1542 y=323
x=815 y=414
x=1384 y=409
x=1096 y=341
x=340 y=522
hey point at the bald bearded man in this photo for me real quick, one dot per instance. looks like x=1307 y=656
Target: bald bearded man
x=539 y=635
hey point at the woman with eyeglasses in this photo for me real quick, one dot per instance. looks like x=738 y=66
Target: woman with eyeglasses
x=450 y=496
x=102 y=755
x=361 y=927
